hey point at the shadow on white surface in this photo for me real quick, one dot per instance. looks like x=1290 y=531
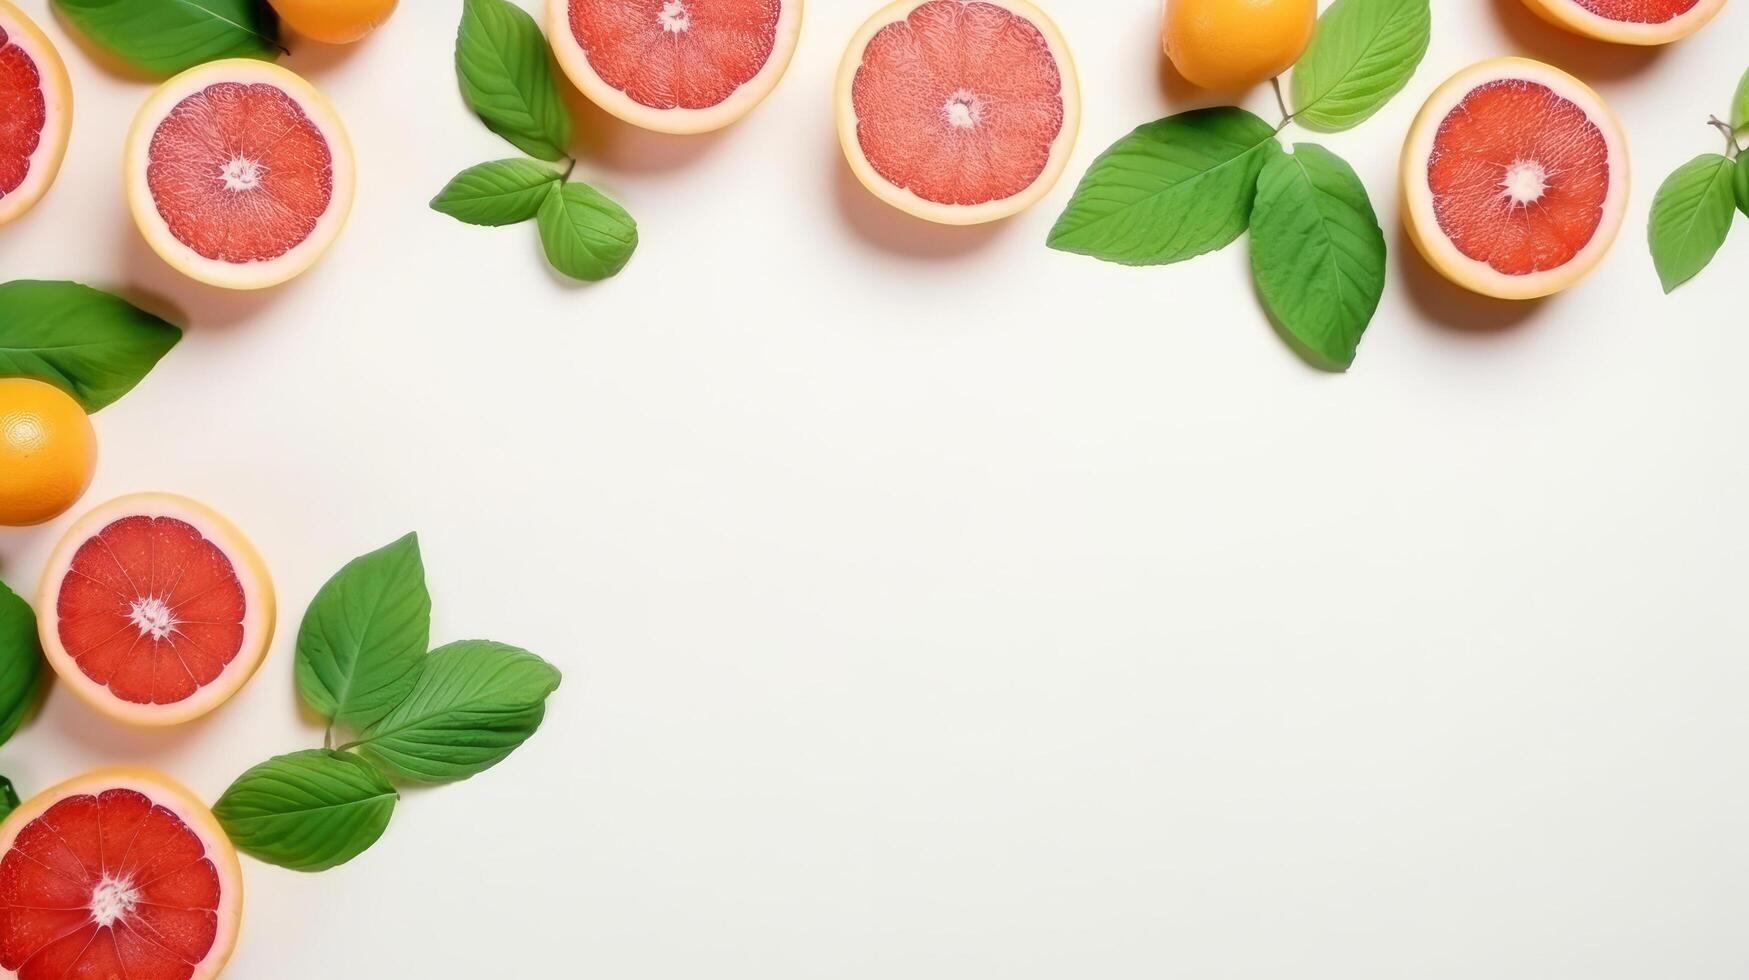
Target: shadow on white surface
x=889 y=229
x=149 y=282
x=1451 y=306
x=601 y=141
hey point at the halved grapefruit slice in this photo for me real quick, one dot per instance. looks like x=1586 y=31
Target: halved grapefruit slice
x=36 y=112
x=1515 y=179
x=958 y=111
x=239 y=174
x=675 y=66
x=1629 y=21
x=155 y=610
x=118 y=873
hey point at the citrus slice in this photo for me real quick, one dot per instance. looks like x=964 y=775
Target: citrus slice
x=155 y=609
x=675 y=66
x=239 y=173
x=1629 y=21
x=119 y=873
x=36 y=112
x=1515 y=179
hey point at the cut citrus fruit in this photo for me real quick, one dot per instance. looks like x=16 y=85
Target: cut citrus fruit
x=239 y=173
x=958 y=111
x=155 y=610
x=675 y=66
x=1515 y=179
x=1629 y=21
x=119 y=873
x=36 y=112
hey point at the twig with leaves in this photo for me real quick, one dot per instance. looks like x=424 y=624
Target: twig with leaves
x=1696 y=206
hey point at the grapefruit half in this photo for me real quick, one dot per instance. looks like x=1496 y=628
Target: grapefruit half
x=958 y=111
x=239 y=174
x=154 y=609
x=36 y=112
x=1629 y=21
x=1515 y=179
x=675 y=66
x=118 y=873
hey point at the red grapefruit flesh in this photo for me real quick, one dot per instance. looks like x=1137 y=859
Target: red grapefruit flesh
x=119 y=874
x=36 y=112
x=1629 y=21
x=675 y=66
x=958 y=111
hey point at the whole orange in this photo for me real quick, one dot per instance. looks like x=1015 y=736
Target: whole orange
x=48 y=451
x=333 y=21
x=1227 y=45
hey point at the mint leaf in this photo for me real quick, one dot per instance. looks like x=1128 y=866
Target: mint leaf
x=499 y=193
x=1740 y=105
x=475 y=702
x=1362 y=54
x=87 y=342
x=162 y=37
x=307 y=811
x=586 y=235
x=23 y=675
x=364 y=634
x=8 y=798
x=1317 y=254
x=502 y=61
x=1171 y=190
x=1691 y=215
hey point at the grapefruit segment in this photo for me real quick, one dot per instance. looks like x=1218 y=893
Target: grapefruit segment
x=1629 y=21
x=958 y=111
x=36 y=112
x=1514 y=179
x=155 y=610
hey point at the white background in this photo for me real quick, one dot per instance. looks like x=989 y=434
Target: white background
x=935 y=605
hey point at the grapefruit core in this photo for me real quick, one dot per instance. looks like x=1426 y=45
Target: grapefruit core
x=118 y=873
x=239 y=174
x=958 y=111
x=36 y=112
x=1629 y=21
x=155 y=610
x=675 y=66
x=1515 y=179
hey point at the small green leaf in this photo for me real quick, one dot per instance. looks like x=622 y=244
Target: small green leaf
x=8 y=798
x=88 y=342
x=499 y=193
x=475 y=702
x=1362 y=54
x=586 y=235
x=1691 y=215
x=23 y=675
x=1743 y=182
x=364 y=635
x=307 y=811
x=1317 y=254
x=163 y=37
x=501 y=58
x=1740 y=105
x=1171 y=190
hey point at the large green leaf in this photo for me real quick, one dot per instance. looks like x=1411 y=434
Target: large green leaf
x=502 y=61
x=502 y=192
x=307 y=811
x=586 y=235
x=364 y=634
x=1317 y=254
x=88 y=342
x=1171 y=190
x=1740 y=105
x=475 y=702
x=165 y=36
x=1691 y=215
x=22 y=672
x=1363 y=53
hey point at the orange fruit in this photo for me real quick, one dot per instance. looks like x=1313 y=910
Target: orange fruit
x=48 y=451
x=1227 y=45
x=333 y=21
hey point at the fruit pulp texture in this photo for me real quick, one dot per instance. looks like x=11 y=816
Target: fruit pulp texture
x=1519 y=176
x=1639 y=11
x=676 y=54
x=23 y=113
x=107 y=885
x=239 y=173
x=151 y=610
x=960 y=103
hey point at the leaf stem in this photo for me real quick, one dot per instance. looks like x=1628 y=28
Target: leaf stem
x=1281 y=100
x=570 y=165
x=328 y=737
x=1731 y=147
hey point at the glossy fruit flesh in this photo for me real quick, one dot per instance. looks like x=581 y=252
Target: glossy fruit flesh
x=23 y=112
x=1629 y=21
x=36 y=106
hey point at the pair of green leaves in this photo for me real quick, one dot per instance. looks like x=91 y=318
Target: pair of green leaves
x=1695 y=207
x=163 y=37
x=414 y=716
x=91 y=344
x=506 y=76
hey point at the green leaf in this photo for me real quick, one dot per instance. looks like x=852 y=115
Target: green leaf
x=307 y=811
x=165 y=36
x=1317 y=254
x=586 y=235
x=8 y=798
x=88 y=342
x=1740 y=105
x=364 y=635
x=23 y=676
x=1743 y=182
x=501 y=58
x=1362 y=54
x=499 y=193
x=475 y=702
x=1691 y=215
x=1171 y=190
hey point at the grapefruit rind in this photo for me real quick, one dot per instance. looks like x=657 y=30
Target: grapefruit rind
x=45 y=163
x=173 y=796
x=676 y=121
x=213 y=272
x=258 y=620
x=1422 y=224
x=1570 y=16
x=909 y=201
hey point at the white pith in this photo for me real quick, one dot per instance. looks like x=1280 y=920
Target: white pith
x=152 y=616
x=1524 y=182
x=241 y=174
x=1573 y=17
x=112 y=899
x=674 y=17
x=45 y=162
x=963 y=109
